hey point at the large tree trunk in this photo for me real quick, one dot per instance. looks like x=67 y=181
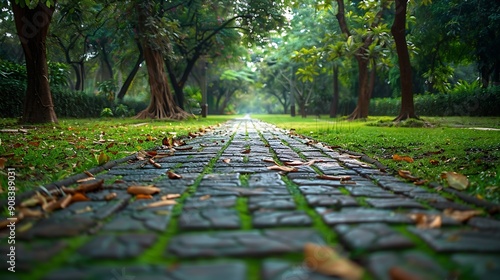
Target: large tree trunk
x=361 y=110
x=162 y=105
x=398 y=32
x=131 y=75
x=32 y=27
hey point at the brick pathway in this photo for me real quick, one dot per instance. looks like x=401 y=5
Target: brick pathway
x=237 y=219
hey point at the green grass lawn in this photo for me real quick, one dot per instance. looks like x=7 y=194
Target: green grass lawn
x=42 y=154
x=444 y=144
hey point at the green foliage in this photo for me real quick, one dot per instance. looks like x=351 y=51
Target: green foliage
x=122 y=111
x=107 y=89
x=464 y=100
x=193 y=99
x=106 y=113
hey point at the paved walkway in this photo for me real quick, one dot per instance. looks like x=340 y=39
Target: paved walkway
x=238 y=219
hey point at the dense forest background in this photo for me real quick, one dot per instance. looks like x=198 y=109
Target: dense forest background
x=156 y=58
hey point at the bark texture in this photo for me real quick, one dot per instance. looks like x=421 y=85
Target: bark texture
x=398 y=31
x=32 y=27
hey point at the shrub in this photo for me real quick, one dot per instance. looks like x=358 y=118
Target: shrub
x=106 y=113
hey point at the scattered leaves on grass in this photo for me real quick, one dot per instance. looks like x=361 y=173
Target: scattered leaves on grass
x=407 y=175
x=2 y=163
x=102 y=158
x=149 y=189
x=283 y=168
x=426 y=221
x=325 y=260
x=461 y=216
x=397 y=157
x=433 y=162
x=173 y=176
x=456 y=180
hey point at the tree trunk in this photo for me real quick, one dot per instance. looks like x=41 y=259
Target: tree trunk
x=131 y=75
x=361 y=110
x=162 y=105
x=32 y=28
x=398 y=31
x=335 y=98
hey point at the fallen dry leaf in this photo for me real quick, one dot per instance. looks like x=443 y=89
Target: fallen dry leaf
x=283 y=168
x=30 y=213
x=65 y=201
x=397 y=157
x=397 y=273
x=110 y=196
x=84 y=210
x=2 y=163
x=102 y=158
x=159 y=203
x=153 y=163
x=270 y=160
x=334 y=178
x=426 y=221
x=79 y=197
x=433 y=162
x=461 y=216
x=173 y=176
x=149 y=189
x=90 y=187
x=143 y=196
x=184 y=148
x=205 y=197
x=325 y=260
x=407 y=175
x=420 y=182
x=354 y=157
x=170 y=196
x=246 y=151
x=227 y=160
x=457 y=181
x=294 y=163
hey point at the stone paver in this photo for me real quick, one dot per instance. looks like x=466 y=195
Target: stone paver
x=237 y=219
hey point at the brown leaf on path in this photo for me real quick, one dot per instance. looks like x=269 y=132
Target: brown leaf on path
x=152 y=153
x=149 y=189
x=170 y=196
x=30 y=213
x=153 y=163
x=325 y=260
x=159 y=203
x=397 y=273
x=51 y=206
x=354 y=157
x=397 y=157
x=311 y=162
x=334 y=178
x=90 y=187
x=420 y=182
x=79 y=197
x=423 y=220
x=184 y=148
x=85 y=180
x=143 y=196
x=283 y=168
x=461 y=216
x=246 y=151
x=226 y=160
x=173 y=176
x=110 y=196
x=192 y=135
x=205 y=197
x=88 y=174
x=294 y=163
x=65 y=201
x=457 y=181
x=270 y=160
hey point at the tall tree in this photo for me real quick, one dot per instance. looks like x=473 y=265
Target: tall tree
x=398 y=31
x=155 y=43
x=32 y=25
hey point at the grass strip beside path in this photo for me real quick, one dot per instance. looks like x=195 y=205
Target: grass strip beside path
x=436 y=145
